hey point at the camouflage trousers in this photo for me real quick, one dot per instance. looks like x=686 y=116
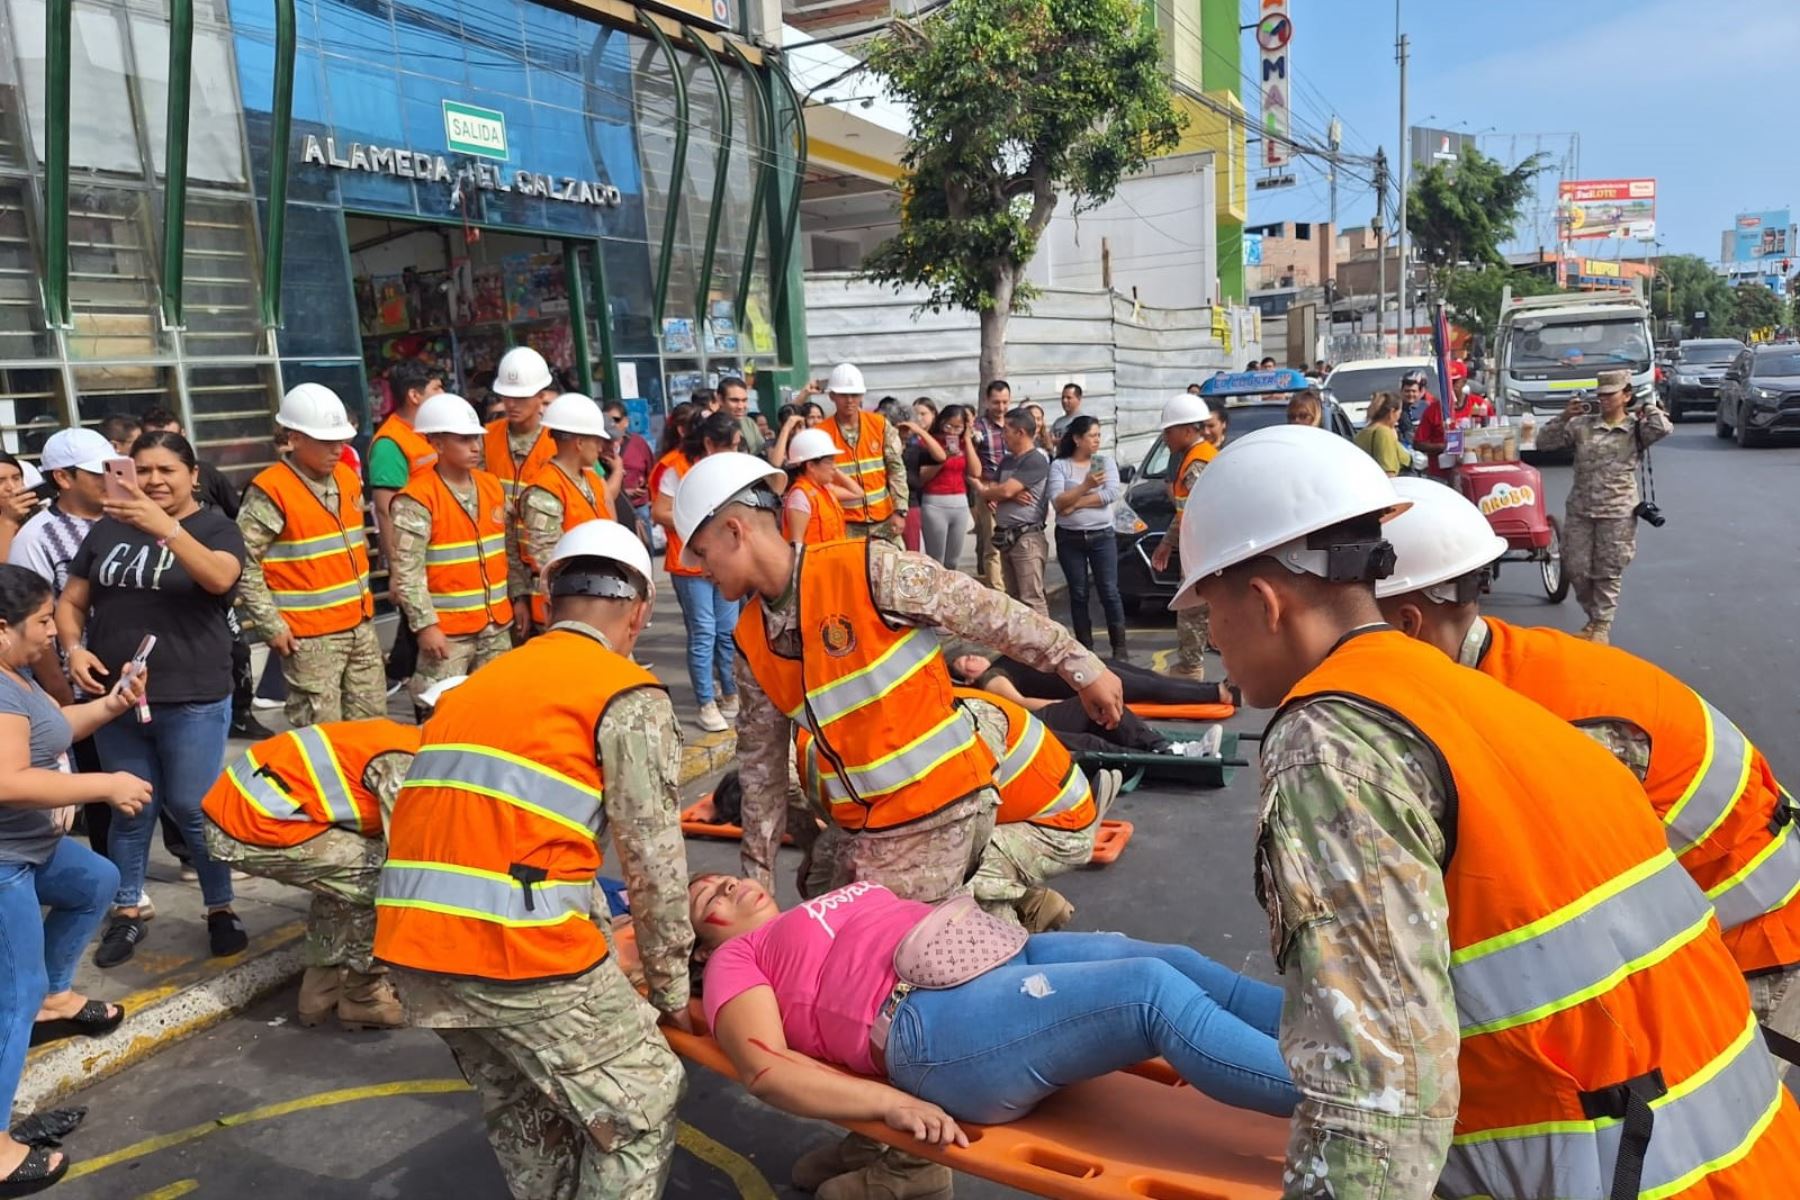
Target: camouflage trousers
x=1595 y=553
x=468 y=651
x=1021 y=856
x=1191 y=627
x=336 y=677
x=579 y=1104
x=340 y=868
x=927 y=860
x=886 y=531
x=1775 y=999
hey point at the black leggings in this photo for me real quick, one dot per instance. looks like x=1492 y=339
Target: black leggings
x=1142 y=685
x=1077 y=731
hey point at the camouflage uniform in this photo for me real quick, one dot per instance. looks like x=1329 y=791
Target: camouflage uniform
x=893 y=454
x=1349 y=854
x=1191 y=623
x=1599 y=535
x=412 y=537
x=578 y=1088
x=908 y=589
x=519 y=581
x=337 y=677
x=340 y=868
x=540 y=528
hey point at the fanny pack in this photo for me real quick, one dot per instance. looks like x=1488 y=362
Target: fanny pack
x=1007 y=536
x=956 y=943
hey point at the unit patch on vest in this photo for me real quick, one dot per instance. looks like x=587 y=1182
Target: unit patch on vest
x=498 y=516
x=838 y=635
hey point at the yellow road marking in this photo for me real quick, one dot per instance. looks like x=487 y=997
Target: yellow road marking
x=750 y=1182
x=1159 y=661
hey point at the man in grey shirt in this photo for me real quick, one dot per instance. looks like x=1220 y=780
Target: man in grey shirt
x=1071 y=408
x=1020 y=494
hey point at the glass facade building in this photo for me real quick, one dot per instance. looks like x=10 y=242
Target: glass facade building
x=461 y=176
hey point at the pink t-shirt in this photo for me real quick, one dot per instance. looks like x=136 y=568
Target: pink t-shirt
x=831 y=965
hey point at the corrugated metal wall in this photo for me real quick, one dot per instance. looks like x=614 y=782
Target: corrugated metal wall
x=1128 y=359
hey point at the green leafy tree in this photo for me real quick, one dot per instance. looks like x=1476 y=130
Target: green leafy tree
x=1013 y=102
x=1685 y=286
x=1473 y=296
x=1461 y=213
x=1755 y=310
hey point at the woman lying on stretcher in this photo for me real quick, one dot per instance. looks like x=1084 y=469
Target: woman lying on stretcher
x=1025 y=685
x=785 y=992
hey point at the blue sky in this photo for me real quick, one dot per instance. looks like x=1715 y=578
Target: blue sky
x=1699 y=96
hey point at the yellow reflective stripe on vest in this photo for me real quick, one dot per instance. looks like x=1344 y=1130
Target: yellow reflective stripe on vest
x=509 y=779
x=329 y=784
x=469 y=601
x=874 y=496
x=838 y=699
x=1075 y=792
x=1765 y=883
x=912 y=763
x=1582 y=950
x=1019 y=754
x=326 y=597
x=445 y=554
x=1704 y=1124
x=1715 y=787
x=263 y=793
x=482 y=895
x=323 y=546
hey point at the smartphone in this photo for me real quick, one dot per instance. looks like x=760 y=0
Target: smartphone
x=121 y=478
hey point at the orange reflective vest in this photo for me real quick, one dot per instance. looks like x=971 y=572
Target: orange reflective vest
x=418 y=451
x=514 y=473
x=826 y=523
x=866 y=465
x=576 y=510
x=317 y=571
x=1588 y=970
x=1201 y=451
x=465 y=565
x=679 y=463
x=294 y=786
x=493 y=844
x=1726 y=818
x=1038 y=780
x=876 y=696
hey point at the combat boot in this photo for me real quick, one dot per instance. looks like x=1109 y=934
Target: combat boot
x=320 y=991
x=892 y=1177
x=821 y=1164
x=1194 y=671
x=369 y=1002
x=1600 y=635
x=1044 y=910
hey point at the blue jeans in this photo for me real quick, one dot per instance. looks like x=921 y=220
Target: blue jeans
x=179 y=754
x=1078 y=551
x=37 y=949
x=1075 y=1006
x=710 y=619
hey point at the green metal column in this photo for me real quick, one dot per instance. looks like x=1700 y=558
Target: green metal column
x=763 y=113
x=786 y=263
x=578 y=315
x=181 y=62
x=281 y=132
x=721 y=166
x=609 y=364
x=678 y=168
x=57 y=43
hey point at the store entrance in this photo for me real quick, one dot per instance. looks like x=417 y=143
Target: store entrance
x=425 y=292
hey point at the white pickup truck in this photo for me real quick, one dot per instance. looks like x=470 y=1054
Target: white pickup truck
x=1552 y=349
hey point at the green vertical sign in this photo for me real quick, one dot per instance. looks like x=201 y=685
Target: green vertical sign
x=469 y=129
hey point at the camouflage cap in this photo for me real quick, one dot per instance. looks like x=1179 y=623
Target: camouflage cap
x=1614 y=381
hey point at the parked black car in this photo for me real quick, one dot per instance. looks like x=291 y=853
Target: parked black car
x=1695 y=374
x=1146 y=509
x=1760 y=395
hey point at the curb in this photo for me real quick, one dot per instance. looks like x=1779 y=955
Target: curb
x=707 y=753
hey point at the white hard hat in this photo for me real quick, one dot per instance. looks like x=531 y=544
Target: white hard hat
x=573 y=412
x=30 y=475
x=447 y=413
x=600 y=539
x=710 y=484
x=1268 y=490
x=522 y=372
x=1184 y=409
x=316 y=411
x=846 y=380
x=809 y=444
x=77 y=449
x=430 y=696
x=1442 y=537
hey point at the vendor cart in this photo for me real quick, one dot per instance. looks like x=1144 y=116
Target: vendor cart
x=1510 y=494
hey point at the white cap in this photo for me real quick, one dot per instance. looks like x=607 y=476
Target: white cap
x=430 y=696
x=602 y=539
x=77 y=450
x=1267 y=491
x=1441 y=538
x=522 y=372
x=32 y=476
x=846 y=380
x=447 y=413
x=575 y=413
x=1184 y=409
x=713 y=482
x=316 y=411
x=809 y=444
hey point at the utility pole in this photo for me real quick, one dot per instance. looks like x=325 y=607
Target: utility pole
x=1334 y=138
x=1401 y=46
x=1381 y=180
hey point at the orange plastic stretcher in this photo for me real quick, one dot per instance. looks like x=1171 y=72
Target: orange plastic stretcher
x=1183 y=712
x=1109 y=843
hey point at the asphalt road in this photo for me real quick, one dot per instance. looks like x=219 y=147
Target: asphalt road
x=260 y=1107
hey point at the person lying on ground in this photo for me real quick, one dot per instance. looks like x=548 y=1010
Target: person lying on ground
x=787 y=992
x=1021 y=684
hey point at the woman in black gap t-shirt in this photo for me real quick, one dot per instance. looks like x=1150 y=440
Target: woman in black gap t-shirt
x=159 y=563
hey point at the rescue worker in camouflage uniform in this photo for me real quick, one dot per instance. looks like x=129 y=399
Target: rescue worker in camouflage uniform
x=925 y=786
x=1188 y=426
x=566 y=491
x=1532 y=993
x=305 y=586
x=488 y=908
x=450 y=569
x=306 y=808
x=1599 y=534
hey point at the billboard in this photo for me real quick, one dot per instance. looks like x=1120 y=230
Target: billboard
x=1432 y=147
x=1608 y=208
x=1274 y=32
x=1760 y=235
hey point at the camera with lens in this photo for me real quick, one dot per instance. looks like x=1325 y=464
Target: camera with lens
x=1651 y=514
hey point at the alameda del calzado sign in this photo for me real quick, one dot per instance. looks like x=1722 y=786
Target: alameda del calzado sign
x=435 y=168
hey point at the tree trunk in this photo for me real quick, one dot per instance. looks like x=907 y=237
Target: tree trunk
x=993 y=330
